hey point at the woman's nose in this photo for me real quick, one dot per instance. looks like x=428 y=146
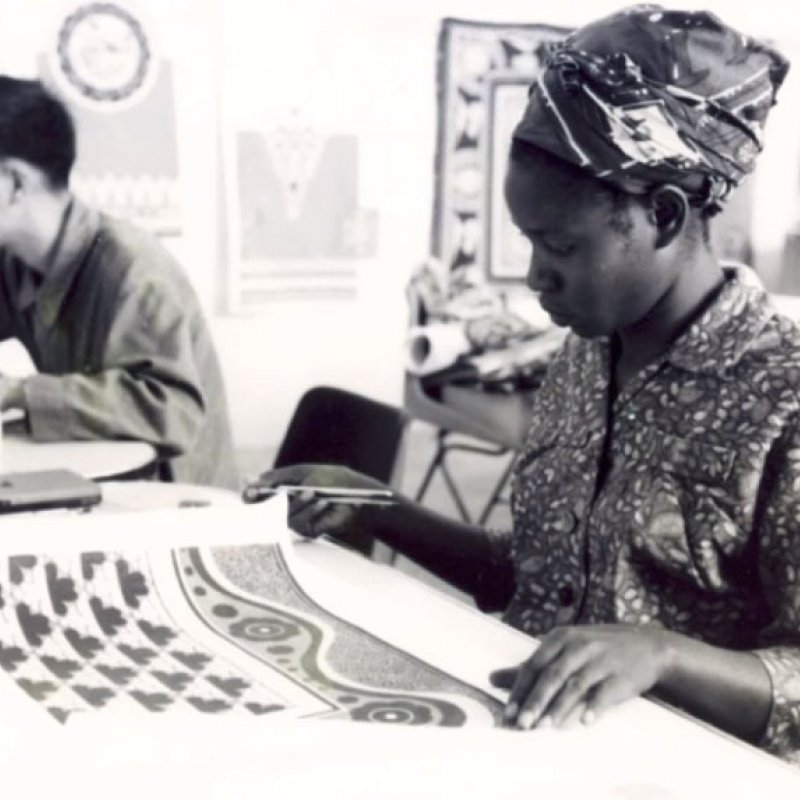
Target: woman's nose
x=541 y=276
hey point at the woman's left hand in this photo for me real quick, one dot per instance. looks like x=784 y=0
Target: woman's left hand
x=578 y=672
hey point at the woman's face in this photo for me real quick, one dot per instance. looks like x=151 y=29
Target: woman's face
x=593 y=274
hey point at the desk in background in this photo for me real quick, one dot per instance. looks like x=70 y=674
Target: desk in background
x=94 y=459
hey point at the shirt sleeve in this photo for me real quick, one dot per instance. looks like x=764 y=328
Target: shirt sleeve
x=6 y=316
x=780 y=577
x=148 y=388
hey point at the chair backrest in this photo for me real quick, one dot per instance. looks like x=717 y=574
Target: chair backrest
x=334 y=426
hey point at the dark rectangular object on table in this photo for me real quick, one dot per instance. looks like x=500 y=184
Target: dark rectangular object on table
x=55 y=488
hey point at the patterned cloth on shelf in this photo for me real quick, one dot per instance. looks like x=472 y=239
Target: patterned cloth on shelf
x=502 y=350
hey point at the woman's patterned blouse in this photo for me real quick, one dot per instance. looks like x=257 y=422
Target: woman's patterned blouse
x=680 y=507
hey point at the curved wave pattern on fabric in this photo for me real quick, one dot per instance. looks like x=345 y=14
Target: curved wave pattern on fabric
x=164 y=632
x=368 y=680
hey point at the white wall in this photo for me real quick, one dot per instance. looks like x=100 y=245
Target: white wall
x=377 y=57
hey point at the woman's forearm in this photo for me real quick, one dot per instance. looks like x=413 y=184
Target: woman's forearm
x=728 y=688
x=457 y=552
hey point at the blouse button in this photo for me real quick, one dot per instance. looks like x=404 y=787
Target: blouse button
x=565 y=522
x=566 y=595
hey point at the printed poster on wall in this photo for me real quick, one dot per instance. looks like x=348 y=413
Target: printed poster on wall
x=105 y=60
x=296 y=227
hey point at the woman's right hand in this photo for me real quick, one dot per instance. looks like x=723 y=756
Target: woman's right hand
x=311 y=515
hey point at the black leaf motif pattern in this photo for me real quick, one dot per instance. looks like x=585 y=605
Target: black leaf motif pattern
x=61 y=714
x=160 y=635
x=258 y=708
x=139 y=655
x=95 y=696
x=118 y=675
x=234 y=687
x=88 y=563
x=109 y=618
x=132 y=584
x=38 y=690
x=177 y=681
x=34 y=626
x=132 y=637
x=61 y=589
x=11 y=657
x=62 y=668
x=208 y=706
x=85 y=646
x=194 y=661
x=152 y=701
x=17 y=566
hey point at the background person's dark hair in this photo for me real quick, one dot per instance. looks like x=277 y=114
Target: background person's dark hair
x=37 y=128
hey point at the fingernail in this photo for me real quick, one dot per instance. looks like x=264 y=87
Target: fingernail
x=510 y=711
x=526 y=720
x=588 y=717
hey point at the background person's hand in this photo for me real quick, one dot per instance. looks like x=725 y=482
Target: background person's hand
x=578 y=672
x=11 y=393
x=311 y=515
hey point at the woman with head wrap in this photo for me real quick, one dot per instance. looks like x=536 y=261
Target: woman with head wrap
x=656 y=505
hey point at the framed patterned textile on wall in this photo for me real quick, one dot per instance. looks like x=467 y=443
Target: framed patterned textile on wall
x=483 y=74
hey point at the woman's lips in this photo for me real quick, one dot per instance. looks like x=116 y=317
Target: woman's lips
x=558 y=315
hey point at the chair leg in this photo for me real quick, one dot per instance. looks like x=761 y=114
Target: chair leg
x=443 y=447
x=453 y=489
x=438 y=463
x=432 y=467
x=496 y=496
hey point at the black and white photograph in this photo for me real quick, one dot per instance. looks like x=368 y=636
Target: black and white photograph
x=400 y=399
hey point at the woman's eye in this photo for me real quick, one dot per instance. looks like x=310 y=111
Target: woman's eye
x=559 y=248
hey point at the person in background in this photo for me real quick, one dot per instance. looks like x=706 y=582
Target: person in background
x=656 y=504
x=109 y=319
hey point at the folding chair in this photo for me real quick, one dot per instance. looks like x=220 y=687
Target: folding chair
x=335 y=426
x=497 y=422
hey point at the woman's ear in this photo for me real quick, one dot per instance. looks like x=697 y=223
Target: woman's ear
x=7 y=184
x=668 y=211
x=12 y=180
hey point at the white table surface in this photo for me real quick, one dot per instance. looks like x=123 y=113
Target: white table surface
x=96 y=459
x=151 y=495
x=638 y=751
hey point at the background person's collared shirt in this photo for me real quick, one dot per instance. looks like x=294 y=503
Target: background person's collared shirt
x=679 y=508
x=121 y=347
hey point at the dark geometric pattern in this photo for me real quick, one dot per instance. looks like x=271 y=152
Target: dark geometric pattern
x=102 y=630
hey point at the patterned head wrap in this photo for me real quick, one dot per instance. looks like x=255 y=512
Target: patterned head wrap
x=648 y=96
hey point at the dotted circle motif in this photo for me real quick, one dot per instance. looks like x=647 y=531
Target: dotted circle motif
x=103 y=95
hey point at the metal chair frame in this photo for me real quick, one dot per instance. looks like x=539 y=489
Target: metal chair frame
x=446 y=445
